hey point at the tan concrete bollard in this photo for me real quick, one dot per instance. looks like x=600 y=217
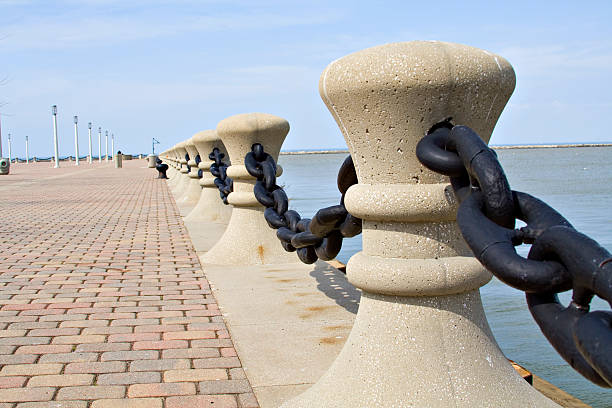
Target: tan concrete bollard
x=192 y=191
x=248 y=239
x=173 y=175
x=183 y=178
x=118 y=160
x=420 y=338
x=209 y=207
x=151 y=161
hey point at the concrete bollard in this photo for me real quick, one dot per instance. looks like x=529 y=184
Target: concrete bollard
x=248 y=239
x=209 y=207
x=118 y=159
x=172 y=162
x=420 y=338
x=151 y=161
x=173 y=170
x=182 y=178
x=192 y=191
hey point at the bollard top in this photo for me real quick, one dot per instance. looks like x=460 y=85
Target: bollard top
x=191 y=148
x=180 y=147
x=386 y=98
x=182 y=151
x=239 y=132
x=205 y=141
x=209 y=135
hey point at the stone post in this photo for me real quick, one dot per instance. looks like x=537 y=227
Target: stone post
x=248 y=239
x=210 y=207
x=420 y=338
x=173 y=175
x=183 y=179
x=192 y=191
x=151 y=161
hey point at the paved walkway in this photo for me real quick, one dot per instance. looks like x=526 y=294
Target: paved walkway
x=103 y=302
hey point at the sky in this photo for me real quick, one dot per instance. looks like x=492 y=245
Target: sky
x=168 y=69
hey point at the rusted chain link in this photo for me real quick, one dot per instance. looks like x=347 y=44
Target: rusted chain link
x=317 y=238
x=219 y=170
x=560 y=257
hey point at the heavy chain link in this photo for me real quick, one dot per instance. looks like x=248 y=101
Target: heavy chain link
x=317 y=238
x=560 y=257
x=187 y=160
x=197 y=162
x=219 y=170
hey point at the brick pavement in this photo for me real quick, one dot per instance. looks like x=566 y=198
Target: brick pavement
x=103 y=302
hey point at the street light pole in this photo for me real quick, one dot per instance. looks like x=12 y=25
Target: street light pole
x=9 y=146
x=27 y=151
x=113 y=146
x=106 y=134
x=0 y=135
x=99 y=145
x=76 y=140
x=89 y=158
x=55 y=148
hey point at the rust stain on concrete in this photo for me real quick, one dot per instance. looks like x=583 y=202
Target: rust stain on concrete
x=330 y=340
x=260 y=252
x=334 y=328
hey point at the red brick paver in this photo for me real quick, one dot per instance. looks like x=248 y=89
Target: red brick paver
x=103 y=302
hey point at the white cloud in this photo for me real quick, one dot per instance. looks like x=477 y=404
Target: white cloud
x=559 y=59
x=79 y=30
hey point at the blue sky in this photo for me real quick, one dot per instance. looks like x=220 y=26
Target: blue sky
x=168 y=69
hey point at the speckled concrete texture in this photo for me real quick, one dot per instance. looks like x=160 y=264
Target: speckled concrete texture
x=192 y=191
x=210 y=207
x=169 y=157
x=183 y=179
x=420 y=338
x=248 y=240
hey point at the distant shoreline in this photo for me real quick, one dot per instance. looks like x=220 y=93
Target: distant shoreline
x=552 y=146
x=503 y=147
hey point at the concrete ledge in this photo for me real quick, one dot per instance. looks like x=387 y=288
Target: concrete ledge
x=288 y=322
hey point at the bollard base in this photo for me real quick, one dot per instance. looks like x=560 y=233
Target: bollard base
x=191 y=193
x=421 y=352
x=248 y=240
x=181 y=184
x=210 y=208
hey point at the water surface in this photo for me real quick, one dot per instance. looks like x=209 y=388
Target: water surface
x=575 y=181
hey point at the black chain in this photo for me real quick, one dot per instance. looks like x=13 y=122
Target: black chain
x=317 y=238
x=187 y=160
x=197 y=162
x=219 y=170
x=560 y=257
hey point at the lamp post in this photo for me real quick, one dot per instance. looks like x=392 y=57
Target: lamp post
x=55 y=149
x=99 y=145
x=106 y=135
x=0 y=135
x=89 y=158
x=112 y=146
x=9 y=147
x=27 y=151
x=76 y=140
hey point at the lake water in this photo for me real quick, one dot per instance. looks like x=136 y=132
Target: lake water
x=575 y=181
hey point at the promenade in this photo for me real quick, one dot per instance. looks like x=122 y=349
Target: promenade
x=103 y=302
